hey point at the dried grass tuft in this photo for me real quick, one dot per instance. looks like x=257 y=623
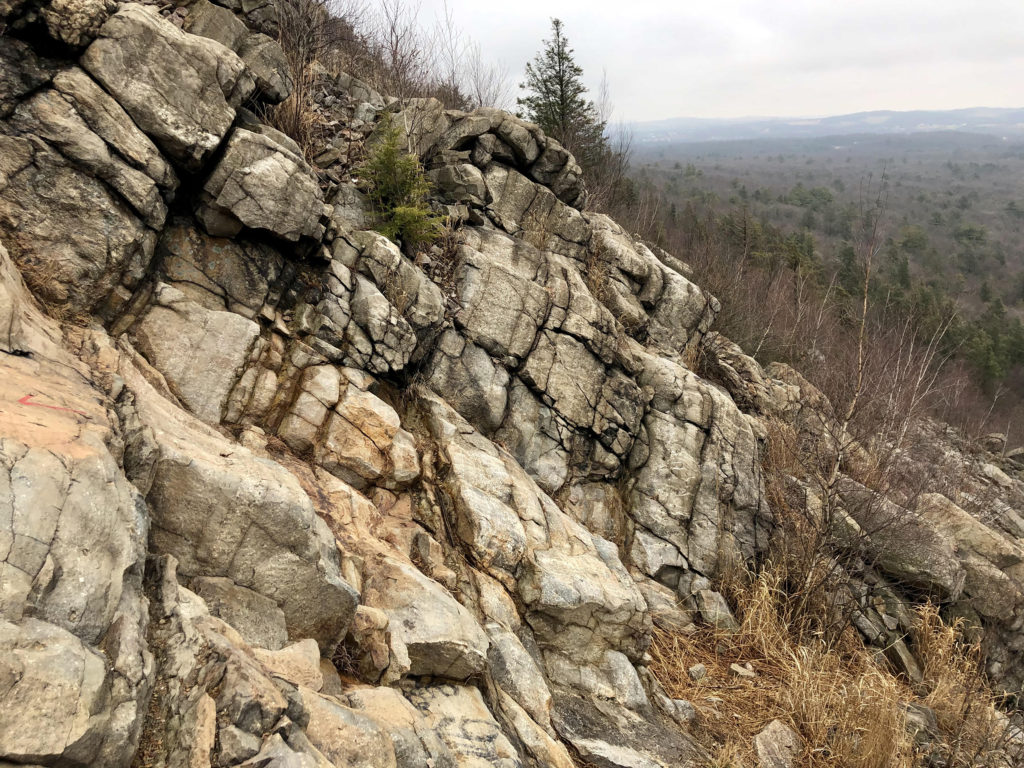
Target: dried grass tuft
x=848 y=708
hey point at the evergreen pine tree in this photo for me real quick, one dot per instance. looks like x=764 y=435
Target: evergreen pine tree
x=556 y=100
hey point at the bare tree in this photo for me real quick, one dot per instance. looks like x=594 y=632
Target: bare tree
x=486 y=84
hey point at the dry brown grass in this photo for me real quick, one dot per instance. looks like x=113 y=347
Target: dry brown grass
x=297 y=117
x=964 y=705
x=848 y=708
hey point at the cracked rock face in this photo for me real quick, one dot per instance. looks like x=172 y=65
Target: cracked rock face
x=263 y=184
x=180 y=89
x=281 y=494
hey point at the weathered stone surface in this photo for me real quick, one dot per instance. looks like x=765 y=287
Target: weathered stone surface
x=431 y=634
x=503 y=304
x=180 y=89
x=470 y=379
x=200 y=353
x=415 y=742
x=72 y=547
x=211 y=691
x=380 y=339
x=518 y=674
x=461 y=719
x=53 y=119
x=107 y=119
x=74 y=239
x=218 y=273
x=620 y=739
x=76 y=22
x=22 y=72
x=263 y=57
x=258 y=619
x=402 y=283
x=262 y=184
x=778 y=746
x=298 y=663
x=992 y=577
x=345 y=736
x=578 y=596
x=365 y=443
x=904 y=545
x=700 y=487
x=714 y=610
x=53 y=686
x=224 y=512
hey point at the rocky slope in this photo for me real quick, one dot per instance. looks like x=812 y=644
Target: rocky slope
x=273 y=494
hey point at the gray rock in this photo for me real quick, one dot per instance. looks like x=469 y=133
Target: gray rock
x=53 y=685
x=76 y=22
x=180 y=89
x=49 y=116
x=465 y=725
x=460 y=184
x=217 y=273
x=75 y=249
x=263 y=57
x=200 y=353
x=22 y=72
x=73 y=536
x=517 y=673
x=621 y=739
x=258 y=619
x=777 y=746
x=906 y=546
x=262 y=184
x=235 y=745
x=415 y=743
x=714 y=610
x=472 y=383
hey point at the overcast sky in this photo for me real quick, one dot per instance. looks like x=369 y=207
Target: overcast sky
x=738 y=58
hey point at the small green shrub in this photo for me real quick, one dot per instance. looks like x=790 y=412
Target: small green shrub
x=398 y=189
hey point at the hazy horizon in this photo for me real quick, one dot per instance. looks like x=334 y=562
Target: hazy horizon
x=749 y=58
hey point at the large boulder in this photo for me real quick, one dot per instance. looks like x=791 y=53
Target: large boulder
x=180 y=89
x=263 y=57
x=262 y=183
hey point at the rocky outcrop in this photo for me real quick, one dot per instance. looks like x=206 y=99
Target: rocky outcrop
x=391 y=509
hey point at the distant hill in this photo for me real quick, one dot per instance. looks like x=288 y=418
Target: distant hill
x=998 y=122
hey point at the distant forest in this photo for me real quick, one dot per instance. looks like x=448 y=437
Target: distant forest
x=947 y=211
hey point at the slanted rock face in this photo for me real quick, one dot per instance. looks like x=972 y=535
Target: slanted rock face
x=225 y=512
x=72 y=549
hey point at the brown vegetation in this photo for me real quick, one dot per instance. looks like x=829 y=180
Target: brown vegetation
x=847 y=707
